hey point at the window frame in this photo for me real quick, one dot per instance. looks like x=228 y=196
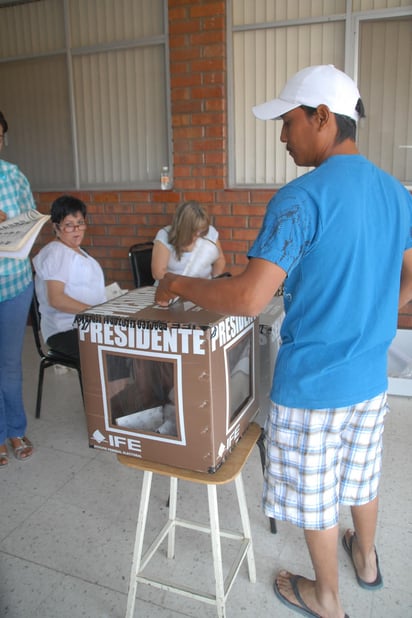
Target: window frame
x=352 y=23
x=69 y=53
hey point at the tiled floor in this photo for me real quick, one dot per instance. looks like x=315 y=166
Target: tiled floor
x=68 y=516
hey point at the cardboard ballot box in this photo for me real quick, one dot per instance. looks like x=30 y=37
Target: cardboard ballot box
x=172 y=385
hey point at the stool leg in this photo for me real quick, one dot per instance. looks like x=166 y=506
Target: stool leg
x=217 y=550
x=172 y=517
x=138 y=545
x=247 y=532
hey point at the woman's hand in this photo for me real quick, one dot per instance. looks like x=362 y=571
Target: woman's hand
x=3 y=216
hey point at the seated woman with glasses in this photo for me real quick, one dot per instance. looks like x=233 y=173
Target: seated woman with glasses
x=68 y=280
x=189 y=246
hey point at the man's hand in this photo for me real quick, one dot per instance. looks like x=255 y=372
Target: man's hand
x=163 y=293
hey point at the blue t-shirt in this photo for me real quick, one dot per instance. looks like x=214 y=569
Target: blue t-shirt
x=339 y=232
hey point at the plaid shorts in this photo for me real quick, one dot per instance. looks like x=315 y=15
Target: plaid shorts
x=318 y=459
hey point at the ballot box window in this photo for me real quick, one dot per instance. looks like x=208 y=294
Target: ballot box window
x=240 y=375
x=141 y=394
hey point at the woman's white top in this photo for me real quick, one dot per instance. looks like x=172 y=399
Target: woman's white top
x=195 y=263
x=83 y=280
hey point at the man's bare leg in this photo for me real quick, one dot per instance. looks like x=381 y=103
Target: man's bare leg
x=322 y=594
x=363 y=545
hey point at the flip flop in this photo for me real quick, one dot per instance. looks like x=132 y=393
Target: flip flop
x=375 y=585
x=302 y=608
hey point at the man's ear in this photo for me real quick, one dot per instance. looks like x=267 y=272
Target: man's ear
x=324 y=114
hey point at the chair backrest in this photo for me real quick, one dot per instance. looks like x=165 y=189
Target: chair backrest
x=35 y=323
x=52 y=356
x=140 y=256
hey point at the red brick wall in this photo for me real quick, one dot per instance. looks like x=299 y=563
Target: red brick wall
x=199 y=120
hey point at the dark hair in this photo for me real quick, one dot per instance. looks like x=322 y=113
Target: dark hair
x=66 y=205
x=346 y=125
x=3 y=123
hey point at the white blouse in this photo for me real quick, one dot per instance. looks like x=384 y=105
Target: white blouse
x=83 y=278
x=195 y=263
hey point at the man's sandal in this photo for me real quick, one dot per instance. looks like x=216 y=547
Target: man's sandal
x=4 y=456
x=22 y=448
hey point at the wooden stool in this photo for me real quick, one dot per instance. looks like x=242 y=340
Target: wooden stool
x=229 y=471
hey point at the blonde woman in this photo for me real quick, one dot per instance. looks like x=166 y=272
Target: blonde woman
x=189 y=246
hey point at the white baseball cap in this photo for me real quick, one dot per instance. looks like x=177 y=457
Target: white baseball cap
x=313 y=86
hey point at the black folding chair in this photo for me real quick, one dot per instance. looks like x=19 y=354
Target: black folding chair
x=48 y=357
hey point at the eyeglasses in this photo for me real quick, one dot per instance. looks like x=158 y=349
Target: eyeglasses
x=71 y=227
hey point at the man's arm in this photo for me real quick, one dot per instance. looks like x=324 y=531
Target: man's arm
x=405 y=295
x=245 y=294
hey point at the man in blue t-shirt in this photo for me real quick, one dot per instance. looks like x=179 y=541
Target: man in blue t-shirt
x=340 y=238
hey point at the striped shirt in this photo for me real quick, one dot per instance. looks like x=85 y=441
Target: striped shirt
x=15 y=198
